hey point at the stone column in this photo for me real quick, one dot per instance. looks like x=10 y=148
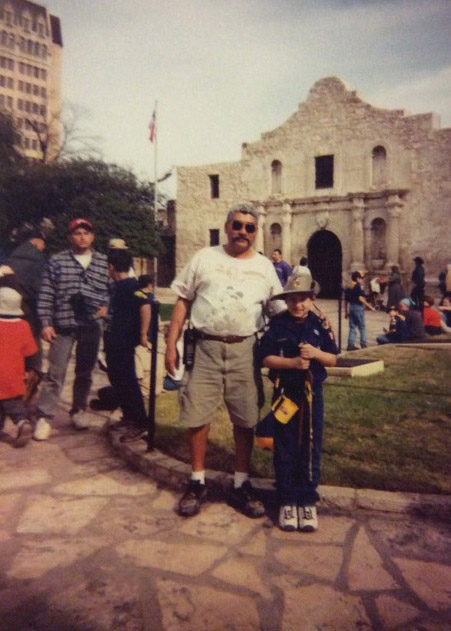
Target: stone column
x=260 y=238
x=357 y=234
x=394 y=206
x=286 y=233
x=367 y=243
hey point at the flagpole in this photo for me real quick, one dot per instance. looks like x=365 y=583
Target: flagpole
x=155 y=201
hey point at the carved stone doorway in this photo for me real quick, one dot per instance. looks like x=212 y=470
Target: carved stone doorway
x=325 y=262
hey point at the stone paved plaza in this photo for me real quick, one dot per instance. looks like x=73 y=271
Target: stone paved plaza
x=89 y=545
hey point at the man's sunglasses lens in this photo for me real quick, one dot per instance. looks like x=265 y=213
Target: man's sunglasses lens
x=249 y=227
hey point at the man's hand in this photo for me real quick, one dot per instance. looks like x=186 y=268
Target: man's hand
x=171 y=359
x=102 y=312
x=48 y=334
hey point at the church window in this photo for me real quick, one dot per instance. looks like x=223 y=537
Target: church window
x=324 y=171
x=214 y=186
x=379 y=166
x=276 y=177
x=214 y=236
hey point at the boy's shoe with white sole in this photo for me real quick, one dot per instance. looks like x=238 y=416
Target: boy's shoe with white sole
x=42 y=429
x=24 y=433
x=308 y=518
x=80 y=420
x=288 y=518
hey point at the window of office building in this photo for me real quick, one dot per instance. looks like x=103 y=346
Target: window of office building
x=214 y=186
x=324 y=171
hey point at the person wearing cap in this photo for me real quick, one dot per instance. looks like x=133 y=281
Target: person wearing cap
x=120 y=244
x=414 y=321
x=72 y=300
x=28 y=262
x=16 y=344
x=297 y=347
x=398 y=330
x=223 y=289
x=355 y=297
x=419 y=284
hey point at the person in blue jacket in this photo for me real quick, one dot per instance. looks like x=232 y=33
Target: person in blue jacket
x=297 y=347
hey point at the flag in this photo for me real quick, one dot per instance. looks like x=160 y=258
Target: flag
x=152 y=128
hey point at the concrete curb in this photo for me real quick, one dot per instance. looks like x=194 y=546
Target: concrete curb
x=173 y=474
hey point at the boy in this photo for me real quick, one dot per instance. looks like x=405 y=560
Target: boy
x=355 y=296
x=16 y=343
x=297 y=347
x=128 y=327
x=398 y=330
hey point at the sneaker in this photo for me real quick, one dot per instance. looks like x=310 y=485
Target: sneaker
x=243 y=498
x=191 y=500
x=24 y=433
x=133 y=434
x=352 y=348
x=308 y=519
x=80 y=420
x=288 y=518
x=42 y=429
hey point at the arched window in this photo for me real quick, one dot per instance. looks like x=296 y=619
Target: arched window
x=276 y=177
x=379 y=166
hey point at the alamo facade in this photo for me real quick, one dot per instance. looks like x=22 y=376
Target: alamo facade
x=346 y=184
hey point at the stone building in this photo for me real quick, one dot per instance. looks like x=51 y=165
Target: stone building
x=30 y=74
x=349 y=185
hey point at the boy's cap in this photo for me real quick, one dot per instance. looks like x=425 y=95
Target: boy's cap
x=117 y=244
x=80 y=223
x=356 y=275
x=407 y=302
x=419 y=260
x=10 y=302
x=300 y=281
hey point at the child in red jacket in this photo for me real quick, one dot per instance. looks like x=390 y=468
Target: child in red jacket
x=16 y=343
x=431 y=317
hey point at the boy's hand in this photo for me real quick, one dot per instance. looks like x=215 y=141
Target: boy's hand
x=299 y=363
x=48 y=334
x=307 y=351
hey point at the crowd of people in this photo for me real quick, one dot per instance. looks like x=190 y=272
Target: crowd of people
x=227 y=295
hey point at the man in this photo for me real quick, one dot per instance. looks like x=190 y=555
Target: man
x=355 y=297
x=223 y=289
x=71 y=302
x=419 y=283
x=28 y=262
x=283 y=270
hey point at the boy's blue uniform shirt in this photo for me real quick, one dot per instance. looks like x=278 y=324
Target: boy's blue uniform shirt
x=282 y=339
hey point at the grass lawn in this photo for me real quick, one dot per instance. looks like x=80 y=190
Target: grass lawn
x=390 y=431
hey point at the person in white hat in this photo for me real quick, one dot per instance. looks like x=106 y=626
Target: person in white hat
x=296 y=348
x=16 y=343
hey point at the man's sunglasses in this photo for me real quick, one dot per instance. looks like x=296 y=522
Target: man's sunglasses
x=249 y=227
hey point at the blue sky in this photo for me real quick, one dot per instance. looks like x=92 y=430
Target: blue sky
x=224 y=71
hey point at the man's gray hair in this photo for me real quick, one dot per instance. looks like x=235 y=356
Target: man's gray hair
x=242 y=207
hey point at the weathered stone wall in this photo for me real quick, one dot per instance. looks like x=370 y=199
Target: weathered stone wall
x=412 y=195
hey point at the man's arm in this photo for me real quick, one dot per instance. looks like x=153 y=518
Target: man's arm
x=179 y=315
x=144 y=315
x=45 y=304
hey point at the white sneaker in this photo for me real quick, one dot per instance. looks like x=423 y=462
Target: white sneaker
x=308 y=519
x=288 y=518
x=42 y=429
x=80 y=420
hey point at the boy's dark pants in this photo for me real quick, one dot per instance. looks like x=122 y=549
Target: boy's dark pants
x=14 y=408
x=291 y=460
x=122 y=375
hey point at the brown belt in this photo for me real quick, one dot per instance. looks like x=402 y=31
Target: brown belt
x=227 y=339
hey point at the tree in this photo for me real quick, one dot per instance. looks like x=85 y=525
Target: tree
x=9 y=142
x=63 y=136
x=110 y=196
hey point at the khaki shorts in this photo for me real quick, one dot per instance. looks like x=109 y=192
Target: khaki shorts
x=221 y=371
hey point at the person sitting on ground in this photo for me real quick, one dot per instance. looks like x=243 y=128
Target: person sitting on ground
x=445 y=310
x=129 y=327
x=398 y=330
x=414 y=321
x=16 y=343
x=431 y=317
x=296 y=348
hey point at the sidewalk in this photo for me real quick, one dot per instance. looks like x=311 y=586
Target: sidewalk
x=88 y=545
